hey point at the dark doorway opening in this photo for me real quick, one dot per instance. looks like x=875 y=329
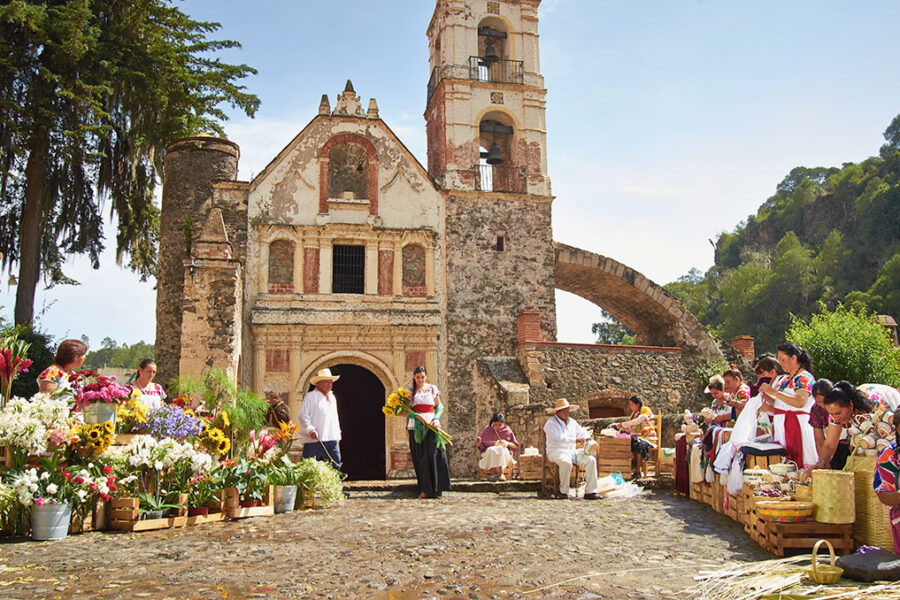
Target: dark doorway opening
x=360 y=396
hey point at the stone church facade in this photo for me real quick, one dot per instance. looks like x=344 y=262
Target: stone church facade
x=345 y=252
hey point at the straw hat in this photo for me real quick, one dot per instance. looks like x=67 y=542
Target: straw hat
x=718 y=381
x=561 y=403
x=324 y=375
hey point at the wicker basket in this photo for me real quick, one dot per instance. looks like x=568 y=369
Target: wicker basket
x=873 y=523
x=824 y=574
x=785 y=512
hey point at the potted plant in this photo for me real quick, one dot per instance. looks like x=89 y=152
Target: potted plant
x=249 y=479
x=13 y=360
x=155 y=507
x=318 y=480
x=201 y=491
x=98 y=396
x=32 y=427
x=284 y=477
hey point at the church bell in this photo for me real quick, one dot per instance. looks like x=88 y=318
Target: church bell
x=490 y=54
x=493 y=156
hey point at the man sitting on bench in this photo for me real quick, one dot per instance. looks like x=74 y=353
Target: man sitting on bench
x=562 y=435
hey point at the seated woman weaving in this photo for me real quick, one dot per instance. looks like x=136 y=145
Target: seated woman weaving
x=843 y=403
x=642 y=427
x=497 y=443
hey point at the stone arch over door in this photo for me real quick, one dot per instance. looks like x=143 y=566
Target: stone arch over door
x=644 y=307
x=355 y=364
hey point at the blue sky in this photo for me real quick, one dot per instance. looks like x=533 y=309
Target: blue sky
x=668 y=122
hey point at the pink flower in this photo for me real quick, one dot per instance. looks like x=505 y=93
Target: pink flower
x=39 y=502
x=107 y=470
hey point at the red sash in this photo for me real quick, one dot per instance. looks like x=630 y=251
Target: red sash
x=793 y=439
x=423 y=408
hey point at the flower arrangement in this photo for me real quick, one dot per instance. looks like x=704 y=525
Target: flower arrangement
x=171 y=421
x=13 y=361
x=54 y=484
x=263 y=447
x=131 y=416
x=91 y=387
x=90 y=440
x=202 y=489
x=319 y=477
x=215 y=441
x=285 y=435
x=30 y=427
x=248 y=477
x=398 y=405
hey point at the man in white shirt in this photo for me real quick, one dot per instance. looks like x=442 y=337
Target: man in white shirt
x=320 y=430
x=562 y=435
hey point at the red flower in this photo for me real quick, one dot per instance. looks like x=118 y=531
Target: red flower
x=107 y=470
x=79 y=480
x=105 y=497
x=67 y=476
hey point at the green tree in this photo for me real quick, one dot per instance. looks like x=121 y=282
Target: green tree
x=887 y=287
x=111 y=354
x=892 y=138
x=848 y=344
x=90 y=93
x=611 y=331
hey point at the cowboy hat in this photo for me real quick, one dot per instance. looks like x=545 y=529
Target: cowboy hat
x=324 y=375
x=561 y=403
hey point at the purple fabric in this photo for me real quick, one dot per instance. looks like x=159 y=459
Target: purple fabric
x=754 y=389
x=818 y=417
x=682 y=483
x=489 y=437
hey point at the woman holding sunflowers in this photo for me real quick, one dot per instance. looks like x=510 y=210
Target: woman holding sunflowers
x=428 y=450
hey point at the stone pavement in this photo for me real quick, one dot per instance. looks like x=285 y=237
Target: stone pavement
x=470 y=546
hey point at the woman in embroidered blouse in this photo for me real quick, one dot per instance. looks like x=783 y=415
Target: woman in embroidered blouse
x=428 y=453
x=843 y=402
x=737 y=389
x=642 y=427
x=69 y=357
x=793 y=400
x=721 y=404
x=152 y=394
x=887 y=481
x=497 y=443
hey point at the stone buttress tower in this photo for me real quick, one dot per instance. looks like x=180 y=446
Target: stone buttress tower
x=487 y=149
x=192 y=167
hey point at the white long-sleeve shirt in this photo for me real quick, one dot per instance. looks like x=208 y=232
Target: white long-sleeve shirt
x=561 y=435
x=319 y=413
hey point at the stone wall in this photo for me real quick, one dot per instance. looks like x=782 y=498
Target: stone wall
x=487 y=289
x=191 y=166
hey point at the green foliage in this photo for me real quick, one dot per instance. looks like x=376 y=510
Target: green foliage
x=611 y=331
x=848 y=344
x=111 y=354
x=321 y=478
x=90 y=94
x=216 y=390
x=827 y=236
x=707 y=368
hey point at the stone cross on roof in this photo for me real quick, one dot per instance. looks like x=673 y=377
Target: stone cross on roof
x=348 y=103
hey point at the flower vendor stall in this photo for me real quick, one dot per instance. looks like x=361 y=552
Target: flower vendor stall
x=70 y=467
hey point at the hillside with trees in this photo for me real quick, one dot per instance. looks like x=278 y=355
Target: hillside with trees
x=827 y=236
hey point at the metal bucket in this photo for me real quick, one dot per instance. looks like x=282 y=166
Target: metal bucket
x=285 y=497
x=50 y=521
x=100 y=412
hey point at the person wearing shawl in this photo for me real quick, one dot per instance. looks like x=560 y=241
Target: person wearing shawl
x=793 y=400
x=427 y=449
x=497 y=443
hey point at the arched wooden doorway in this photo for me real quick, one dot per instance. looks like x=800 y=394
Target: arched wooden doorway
x=360 y=395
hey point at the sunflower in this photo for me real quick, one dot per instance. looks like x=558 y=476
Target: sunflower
x=225 y=421
x=393 y=400
x=108 y=426
x=403 y=393
x=388 y=412
x=93 y=434
x=223 y=447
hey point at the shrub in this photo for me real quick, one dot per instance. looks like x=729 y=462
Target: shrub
x=848 y=344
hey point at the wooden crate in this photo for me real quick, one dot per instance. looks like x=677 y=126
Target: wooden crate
x=718 y=496
x=530 y=467
x=804 y=535
x=213 y=517
x=124 y=517
x=614 y=456
x=697 y=491
x=98 y=520
x=234 y=510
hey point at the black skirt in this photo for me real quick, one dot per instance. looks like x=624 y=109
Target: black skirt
x=640 y=446
x=432 y=470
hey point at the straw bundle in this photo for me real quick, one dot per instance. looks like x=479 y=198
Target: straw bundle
x=832 y=492
x=873 y=523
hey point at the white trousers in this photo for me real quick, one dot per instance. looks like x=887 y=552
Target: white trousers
x=565 y=460
x=495 y=456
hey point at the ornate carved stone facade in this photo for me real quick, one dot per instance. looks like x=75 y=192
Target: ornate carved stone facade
x=345 y=253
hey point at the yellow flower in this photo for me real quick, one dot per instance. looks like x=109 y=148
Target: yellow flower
x=225 y=421
x=393 y=400
x=108 y=426
x=387 y=411
x=223 y=447
x=93 y=434
x=403 y=393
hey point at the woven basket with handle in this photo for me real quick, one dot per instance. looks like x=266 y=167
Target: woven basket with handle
x=826 y=574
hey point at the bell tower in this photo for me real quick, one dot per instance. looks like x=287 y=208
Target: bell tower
x=487 y=150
